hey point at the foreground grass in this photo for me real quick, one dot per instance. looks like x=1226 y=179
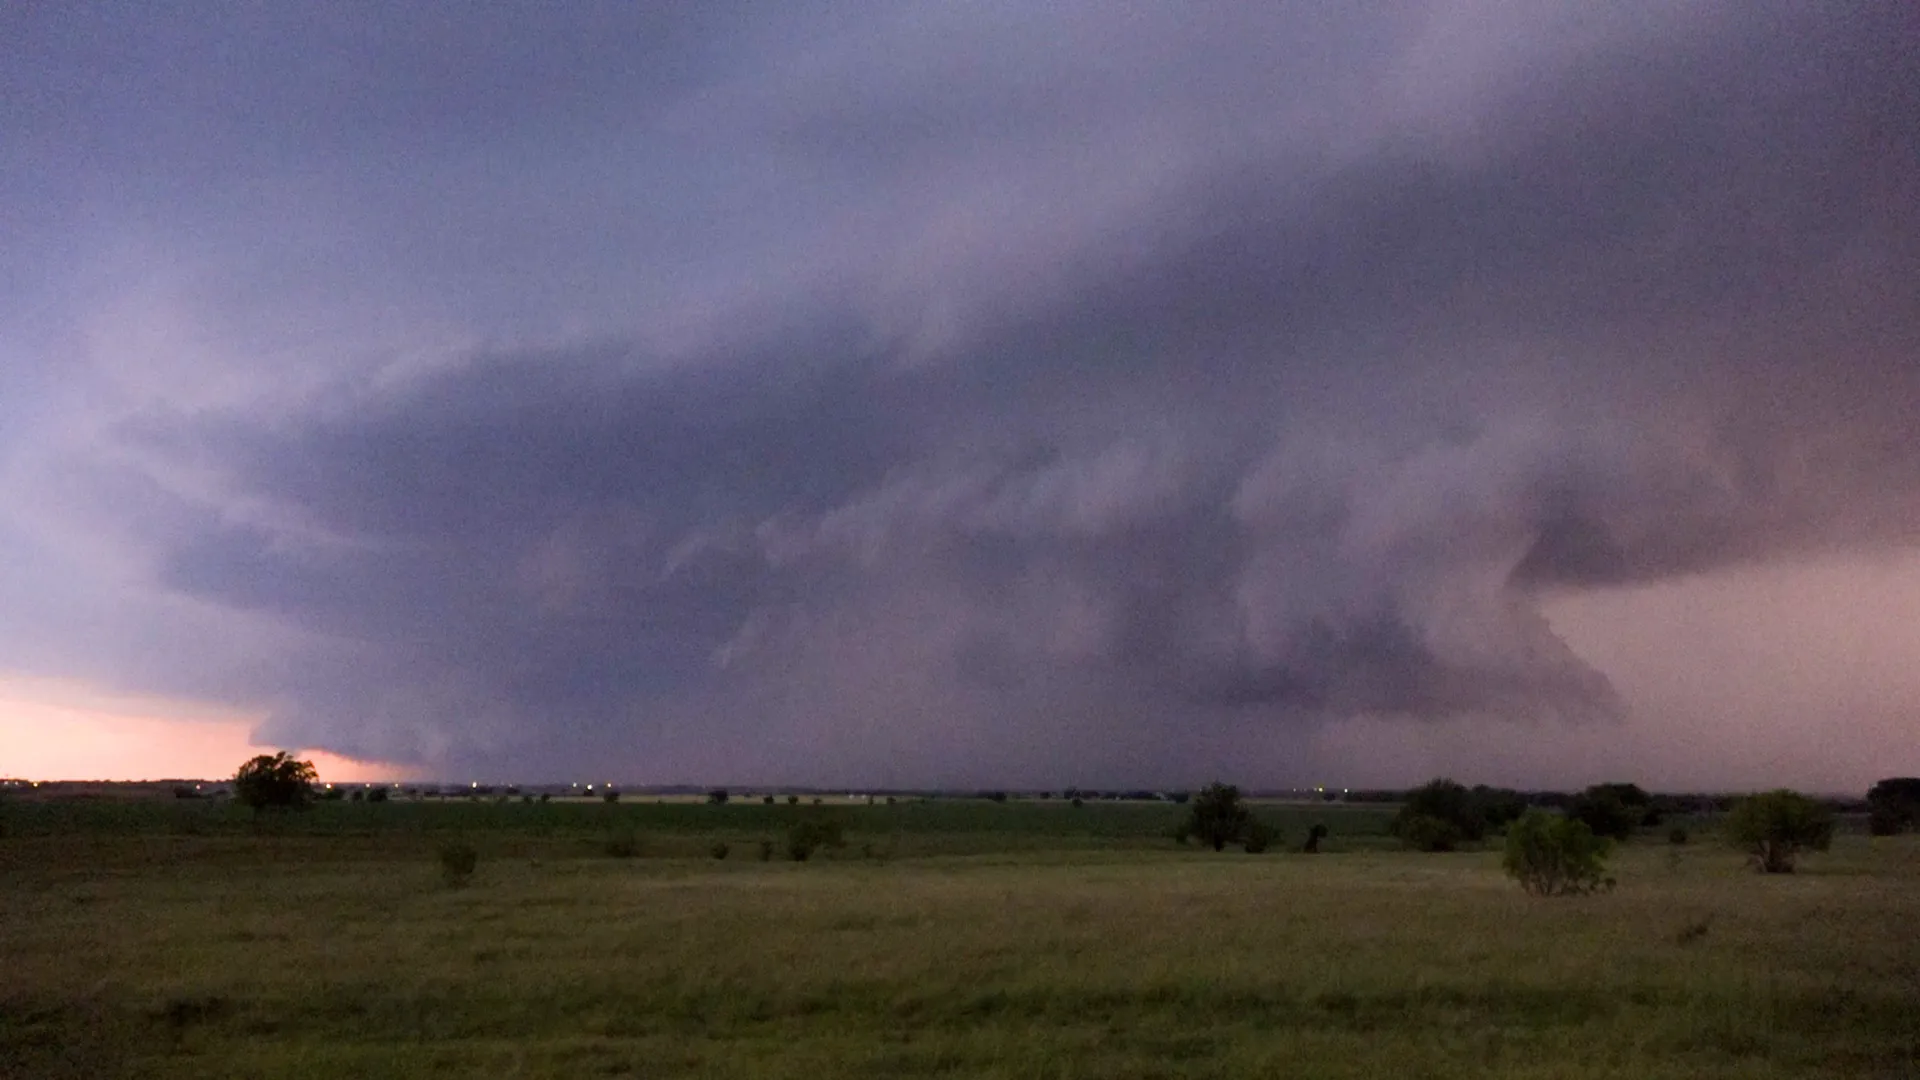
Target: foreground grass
x=302 y=956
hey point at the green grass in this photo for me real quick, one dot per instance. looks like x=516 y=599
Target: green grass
x=333 y=950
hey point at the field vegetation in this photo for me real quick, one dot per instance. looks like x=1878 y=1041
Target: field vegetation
x=1011 y=938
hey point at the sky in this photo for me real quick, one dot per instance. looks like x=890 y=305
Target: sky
x=887 y=394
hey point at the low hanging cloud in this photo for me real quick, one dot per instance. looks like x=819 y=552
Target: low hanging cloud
x=1060 y=420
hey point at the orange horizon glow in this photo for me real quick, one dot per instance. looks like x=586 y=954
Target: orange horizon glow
x=52 y=731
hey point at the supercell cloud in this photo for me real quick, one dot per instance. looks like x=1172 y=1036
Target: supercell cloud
x=931 y=395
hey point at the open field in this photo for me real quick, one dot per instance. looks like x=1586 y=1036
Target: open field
x=998 y=941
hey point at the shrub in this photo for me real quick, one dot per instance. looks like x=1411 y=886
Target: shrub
x=378 y=794
x=1314 y=835
x=1677 y=836
x=1078 y=802
x=793 y=800
x=546 y=797
x=1439 y=816
x=806 y=837
x=1424 y=832
x=457 y=860
x=610 y=796
x=621 y=844
x=1553 y=855
x=1258 y=836
x=718 y=796
x=1775 y=827
x=766 y=800
x=719 y=850
x=1216 y=816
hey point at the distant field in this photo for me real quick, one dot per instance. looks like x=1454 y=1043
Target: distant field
x=176 y=941
x=907 y=828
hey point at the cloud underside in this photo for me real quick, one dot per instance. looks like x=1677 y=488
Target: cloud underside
x=1135 y=440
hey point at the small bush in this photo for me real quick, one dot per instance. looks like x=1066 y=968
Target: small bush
x=719 y=850
x=1314 y=836
x=1692 y=930
x=1078 y=802
x=766 y=800
x=378 y=794
x=1552 y=855
x=1677 y=836
x=610 y=796
x=621 y=844
x=1258 y=836
x=718 y=796
x=457 y=860
x=807 y=837
x=1423 y=832
x=793 y=800
x=1777 y=826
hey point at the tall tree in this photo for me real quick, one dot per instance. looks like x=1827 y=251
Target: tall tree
x=277 y=779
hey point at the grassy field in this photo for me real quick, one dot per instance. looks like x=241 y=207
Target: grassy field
x=1017 y=940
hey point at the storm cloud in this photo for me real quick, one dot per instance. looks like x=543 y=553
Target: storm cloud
x=933 y=395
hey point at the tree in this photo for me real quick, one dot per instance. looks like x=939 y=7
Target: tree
x=1216 y=816
x=1893 y=805
x=1498 y=806
x=1777 y=826
x=1608 y=811
x=1438 y=816
x=1554 y=855
x=1616 y=809
x=718 y=796
x=275 y=780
